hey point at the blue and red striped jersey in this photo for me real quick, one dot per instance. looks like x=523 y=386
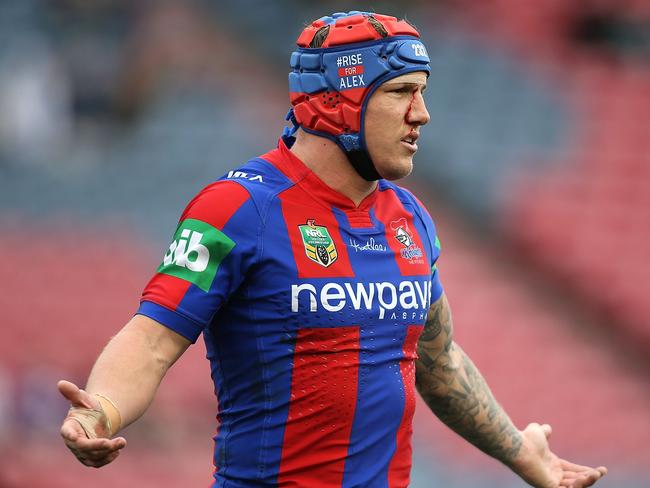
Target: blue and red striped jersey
x=311 y=308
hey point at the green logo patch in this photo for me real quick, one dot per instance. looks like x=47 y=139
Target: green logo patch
x=319 y=245
x=196 y=253
x=437 y=244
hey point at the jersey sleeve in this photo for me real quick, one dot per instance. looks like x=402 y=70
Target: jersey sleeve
x=436 y=285
x=214 y=245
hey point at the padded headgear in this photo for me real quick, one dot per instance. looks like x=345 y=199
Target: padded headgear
x=330 y=86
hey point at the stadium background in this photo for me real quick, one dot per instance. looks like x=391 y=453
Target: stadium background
x=535 y=166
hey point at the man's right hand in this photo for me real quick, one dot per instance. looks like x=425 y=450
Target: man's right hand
x=86 y=429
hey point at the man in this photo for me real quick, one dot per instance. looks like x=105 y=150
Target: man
x=313 y=280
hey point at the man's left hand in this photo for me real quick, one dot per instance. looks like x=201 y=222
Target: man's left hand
x=539 y=467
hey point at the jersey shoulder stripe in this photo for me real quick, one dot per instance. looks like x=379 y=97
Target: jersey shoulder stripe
x=404 y=195
x=215 y=239
x=261 y=179
x=407 y=197
x=216 y=203
x=420 y=212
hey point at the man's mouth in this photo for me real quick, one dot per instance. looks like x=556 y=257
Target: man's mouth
x=410 y=141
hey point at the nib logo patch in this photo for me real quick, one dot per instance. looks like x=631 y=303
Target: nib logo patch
x=192 y=255
x=195 y=253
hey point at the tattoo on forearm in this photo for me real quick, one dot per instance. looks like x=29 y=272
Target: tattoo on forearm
x=433 y=325
x=456 y=392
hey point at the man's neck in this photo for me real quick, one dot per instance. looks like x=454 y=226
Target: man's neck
x=331 y=165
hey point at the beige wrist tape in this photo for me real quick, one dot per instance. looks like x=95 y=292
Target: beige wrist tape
x=93 y=421
x=108 y=417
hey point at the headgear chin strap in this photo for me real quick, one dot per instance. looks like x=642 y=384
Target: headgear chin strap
x=330 y=86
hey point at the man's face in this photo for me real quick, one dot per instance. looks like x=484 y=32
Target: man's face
x=394 y=114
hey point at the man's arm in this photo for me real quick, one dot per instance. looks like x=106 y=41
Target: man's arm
x=456 y=392
x=120 y=388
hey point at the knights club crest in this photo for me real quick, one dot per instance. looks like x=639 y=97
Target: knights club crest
x=404 y=236
x=319 y=245
x=402 y=232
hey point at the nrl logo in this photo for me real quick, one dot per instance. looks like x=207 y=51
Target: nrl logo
x=319 y=245
x=404 y=236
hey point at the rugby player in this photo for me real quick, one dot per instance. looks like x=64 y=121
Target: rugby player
x=314 y=281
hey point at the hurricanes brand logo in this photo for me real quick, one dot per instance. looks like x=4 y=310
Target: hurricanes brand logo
x=195 y=253
x=319 y=245
x=407 y=300
x=404 y=236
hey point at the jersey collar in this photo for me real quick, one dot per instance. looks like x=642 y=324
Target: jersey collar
x=287 y=162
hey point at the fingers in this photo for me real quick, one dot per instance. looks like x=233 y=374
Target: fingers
x=582 y=481
x=97 y=460
x=74 y=435
x=545 y=428
x=76 y=396
x=99 y=445
x=80 y=431
x=568 y=466
x=98 y=463
x=576 y=476
x=95 y=452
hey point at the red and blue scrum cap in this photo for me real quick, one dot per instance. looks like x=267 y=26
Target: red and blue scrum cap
x=330 y=85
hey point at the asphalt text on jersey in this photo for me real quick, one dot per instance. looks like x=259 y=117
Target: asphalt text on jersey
x=195 y=253
x=319 y=245
x=407 y=300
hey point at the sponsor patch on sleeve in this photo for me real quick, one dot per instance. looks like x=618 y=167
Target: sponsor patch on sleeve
x=196 y=252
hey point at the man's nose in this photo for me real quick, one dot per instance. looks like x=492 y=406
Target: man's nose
x=418 y=113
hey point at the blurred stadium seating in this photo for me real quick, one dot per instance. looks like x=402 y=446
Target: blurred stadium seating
x=536 y=168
